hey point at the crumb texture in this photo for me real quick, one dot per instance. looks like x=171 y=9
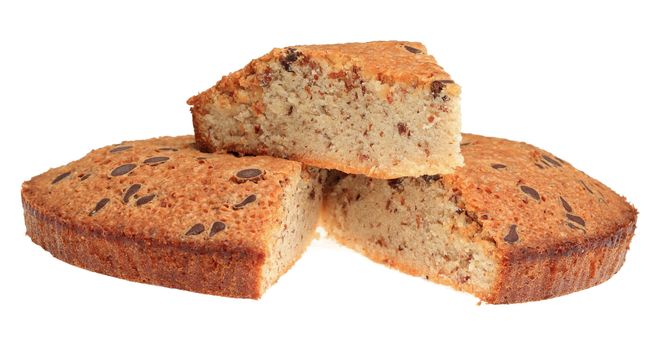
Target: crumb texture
x=159 y=211
x=383 y=109
x=515 y=224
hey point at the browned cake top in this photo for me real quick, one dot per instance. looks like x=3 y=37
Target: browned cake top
x=533 y=202
x=390 y=62
x=164 y=191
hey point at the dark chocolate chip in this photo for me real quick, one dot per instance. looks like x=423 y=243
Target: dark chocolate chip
x=172 y=149
x=130 y=192
x=551 y=161
x=218 y=226
x=572 y=226
x=145 y=199
x=120 y=149
x=412 y=49
x=195 y=230
x=431 y=178
x=531 y=192
x=512 y=235
x=101 y=204
x=565 y=204
x=250 y=199
x=437 y=86
x=396 y=184
x=291 y=55
x=576 y=219
x=402 y=129
x=123 y=169
x=61 y=177
x=498 y=166
x=249 y=173
x=156 y=160
x=84 y=177
x=586 y=187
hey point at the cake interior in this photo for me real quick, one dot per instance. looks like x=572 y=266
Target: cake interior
x=431 y=235
x=296 y=228
x=305 y=113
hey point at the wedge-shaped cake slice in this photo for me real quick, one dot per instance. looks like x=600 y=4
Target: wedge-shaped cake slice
x=159 y=211
x=382 y=109
x=515 y=224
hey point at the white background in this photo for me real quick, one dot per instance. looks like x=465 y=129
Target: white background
x=572 y=79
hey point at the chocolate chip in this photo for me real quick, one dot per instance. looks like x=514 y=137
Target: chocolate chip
x=84 y=177
x=145 y=199
x=412 y=49
x=123 y=169
x=195 y=230
x=437 y=86
x=403 y=129
x=291 y=55
x=512 y=235
x=431 y=178
x=218 y=226
x=249 y=173
x=130 y=192
x=61 y=177
x=586 y=187
x=498 y=166
x=565 y=204
x=101 y=204
x=572 y=226
x=172 y=149
x=576 y=219
x=531 y=192
x=250 y=199
x=551 y=161
x=156 y=160
x=396 y=184
x=120 y=149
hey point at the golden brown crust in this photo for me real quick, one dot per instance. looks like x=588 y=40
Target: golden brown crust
x=544 y=276
x=232 y=273
x=554 y=207
x=571 y=231
x=160 y=211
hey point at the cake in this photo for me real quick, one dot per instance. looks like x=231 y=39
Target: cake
x=384 y=109
x=159 y=211
x=515 y=224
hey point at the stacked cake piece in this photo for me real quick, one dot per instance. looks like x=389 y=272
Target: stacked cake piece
x=373 y=129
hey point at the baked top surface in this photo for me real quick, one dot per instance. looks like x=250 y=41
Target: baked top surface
x=531 y=201
x=402 y=61
x=390 y=62
x=164 y=191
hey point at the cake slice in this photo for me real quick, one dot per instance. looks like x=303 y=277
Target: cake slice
x=515 y=224
x=382 y=109
x=159 y=211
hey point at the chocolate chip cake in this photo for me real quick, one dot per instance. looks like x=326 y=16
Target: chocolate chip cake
x=159 y=211
x=382 y=109
x=515 y=224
